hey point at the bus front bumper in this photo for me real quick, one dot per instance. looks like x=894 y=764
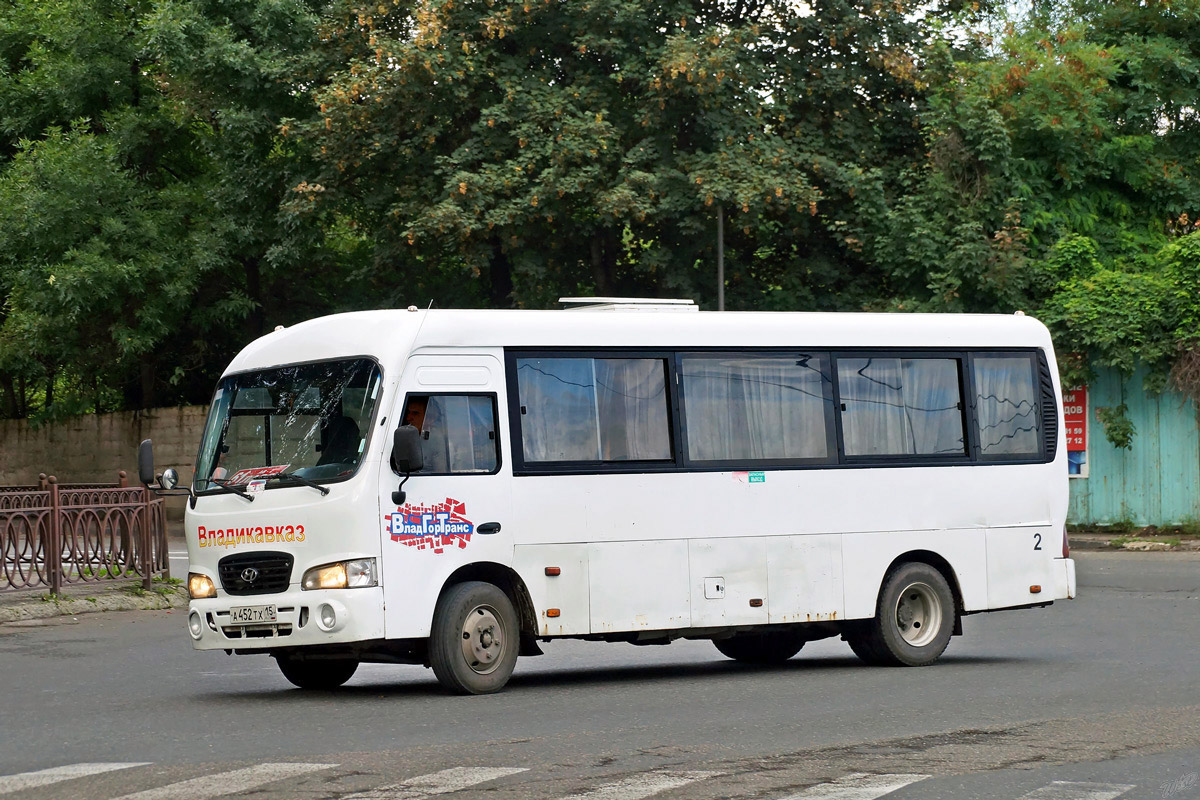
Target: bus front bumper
x=1064 y=573
x=301 y=618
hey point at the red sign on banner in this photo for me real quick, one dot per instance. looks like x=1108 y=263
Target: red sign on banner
x=1075 y=419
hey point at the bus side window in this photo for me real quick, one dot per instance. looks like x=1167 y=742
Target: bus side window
x=901 y=406
x=1007 y=407
x=458 y=432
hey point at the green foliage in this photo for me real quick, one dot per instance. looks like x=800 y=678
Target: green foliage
x=1118 y=428
x=176 y=176
x=510 y=152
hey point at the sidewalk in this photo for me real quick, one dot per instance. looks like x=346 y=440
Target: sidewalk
x=87 y=598
x=1145 y=540
x=125 y=594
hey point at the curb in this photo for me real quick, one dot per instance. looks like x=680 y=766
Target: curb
x=116 y=600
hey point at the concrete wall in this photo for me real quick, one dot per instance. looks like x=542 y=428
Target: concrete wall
x=95 y=447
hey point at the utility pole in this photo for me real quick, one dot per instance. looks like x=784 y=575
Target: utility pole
x=720 y=257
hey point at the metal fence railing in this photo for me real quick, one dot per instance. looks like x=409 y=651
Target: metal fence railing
x=52 y=535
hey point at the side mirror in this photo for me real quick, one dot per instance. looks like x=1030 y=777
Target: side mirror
x=406 y=457
x=406 y=450
x=146 y=462
x=169 y=479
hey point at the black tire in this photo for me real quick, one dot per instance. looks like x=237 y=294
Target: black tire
x=863 y=647
x=317 y=674
x=774 y=647
x=914 y=621
x=475 y=638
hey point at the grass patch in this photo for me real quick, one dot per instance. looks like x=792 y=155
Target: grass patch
x=1121 y=541
x=165 y=590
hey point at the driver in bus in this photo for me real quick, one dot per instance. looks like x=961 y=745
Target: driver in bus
x=426 y=417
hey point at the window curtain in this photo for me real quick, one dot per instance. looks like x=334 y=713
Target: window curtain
x=631 y=400
x=755 y=408
x=1006 y=405
x=901 y=406
x=558 y=409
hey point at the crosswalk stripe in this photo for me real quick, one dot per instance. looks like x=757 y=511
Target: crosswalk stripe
x=858 y=786
x=45 y=777
x=435 y=783
x=1072 y=790
x=226 y=783
x=644 y=785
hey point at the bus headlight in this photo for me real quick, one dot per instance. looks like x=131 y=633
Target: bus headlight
x=200 y=586
x=355 y=574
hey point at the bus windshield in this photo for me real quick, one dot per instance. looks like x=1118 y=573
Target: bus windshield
x=308 y=420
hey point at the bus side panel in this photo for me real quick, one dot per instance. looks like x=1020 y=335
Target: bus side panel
x=414 y=576
x=568 y=591
x=804 y=574
x=638 y=586
x=1018 y=558
x=872 y=553
x=727 y=574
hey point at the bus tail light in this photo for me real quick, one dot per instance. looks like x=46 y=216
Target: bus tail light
x=1066 y=544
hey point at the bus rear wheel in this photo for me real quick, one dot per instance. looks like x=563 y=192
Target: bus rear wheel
x=317 y=674
x=774 y=647
x=475 y=638
x=914 y=622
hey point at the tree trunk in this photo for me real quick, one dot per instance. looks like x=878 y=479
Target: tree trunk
x=147 y=383
x=50 y=389
x=500 y=277
x=10 y=396
x=604 y=261
x=256 y=322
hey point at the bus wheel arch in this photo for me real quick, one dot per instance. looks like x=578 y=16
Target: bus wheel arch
x=939 y=563
x=509 y=582
x=918 y=609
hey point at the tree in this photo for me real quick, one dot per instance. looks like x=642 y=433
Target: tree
x=547 y=148
x=143 y=170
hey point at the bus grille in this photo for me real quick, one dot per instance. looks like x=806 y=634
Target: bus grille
x=255 y=573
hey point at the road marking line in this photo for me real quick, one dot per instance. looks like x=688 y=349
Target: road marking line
x=435 y=783
x=644 y=785
x=858 y=786
x=45 y=777
x=225 y=783
x=1071 y=790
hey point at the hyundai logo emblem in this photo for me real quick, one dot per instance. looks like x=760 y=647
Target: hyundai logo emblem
x=249 y=574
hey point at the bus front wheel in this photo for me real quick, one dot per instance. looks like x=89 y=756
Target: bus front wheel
x=761 y=648
x=914 y=622
x=318 y=674
x=475 y=638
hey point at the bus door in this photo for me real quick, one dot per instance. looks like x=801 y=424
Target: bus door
x=456 y=510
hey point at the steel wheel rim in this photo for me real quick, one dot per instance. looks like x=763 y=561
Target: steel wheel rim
x=483 y=639
x=918 y=614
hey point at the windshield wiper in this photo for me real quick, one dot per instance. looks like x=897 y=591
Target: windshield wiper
x=232 y=488
x=291 y=476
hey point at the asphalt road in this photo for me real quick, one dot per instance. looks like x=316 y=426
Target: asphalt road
x=1088 y=699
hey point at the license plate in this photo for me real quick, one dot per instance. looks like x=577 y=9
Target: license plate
x=248 y=615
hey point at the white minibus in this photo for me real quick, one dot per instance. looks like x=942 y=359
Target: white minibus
x=454 y=488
